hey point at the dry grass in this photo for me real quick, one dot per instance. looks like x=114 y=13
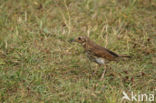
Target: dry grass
x=38 y=64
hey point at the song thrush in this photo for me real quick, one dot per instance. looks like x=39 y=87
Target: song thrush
x=97 y=53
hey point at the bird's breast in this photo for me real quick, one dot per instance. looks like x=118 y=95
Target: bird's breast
x=94 y=58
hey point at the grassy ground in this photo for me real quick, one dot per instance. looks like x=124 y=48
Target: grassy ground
x=38 y=64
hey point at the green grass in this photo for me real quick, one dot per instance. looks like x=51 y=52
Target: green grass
x=39 y=65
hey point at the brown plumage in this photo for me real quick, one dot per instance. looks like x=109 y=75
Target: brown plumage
x=96 y=50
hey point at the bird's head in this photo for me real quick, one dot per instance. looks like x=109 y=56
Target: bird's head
x=81 y=39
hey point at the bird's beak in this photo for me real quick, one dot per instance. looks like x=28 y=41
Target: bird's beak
x=72 y=40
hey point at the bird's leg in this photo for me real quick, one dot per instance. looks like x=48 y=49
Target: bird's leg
x=90 y=67
x=104 y=71
x=97 y=67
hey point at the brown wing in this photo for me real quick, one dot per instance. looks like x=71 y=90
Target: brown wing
x=104 y=53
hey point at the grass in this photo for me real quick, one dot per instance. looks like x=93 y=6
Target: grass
x=39 y=65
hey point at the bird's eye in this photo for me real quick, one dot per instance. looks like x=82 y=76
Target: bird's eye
x=79 y=38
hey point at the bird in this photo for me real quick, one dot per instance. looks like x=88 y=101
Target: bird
x=97 y=53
